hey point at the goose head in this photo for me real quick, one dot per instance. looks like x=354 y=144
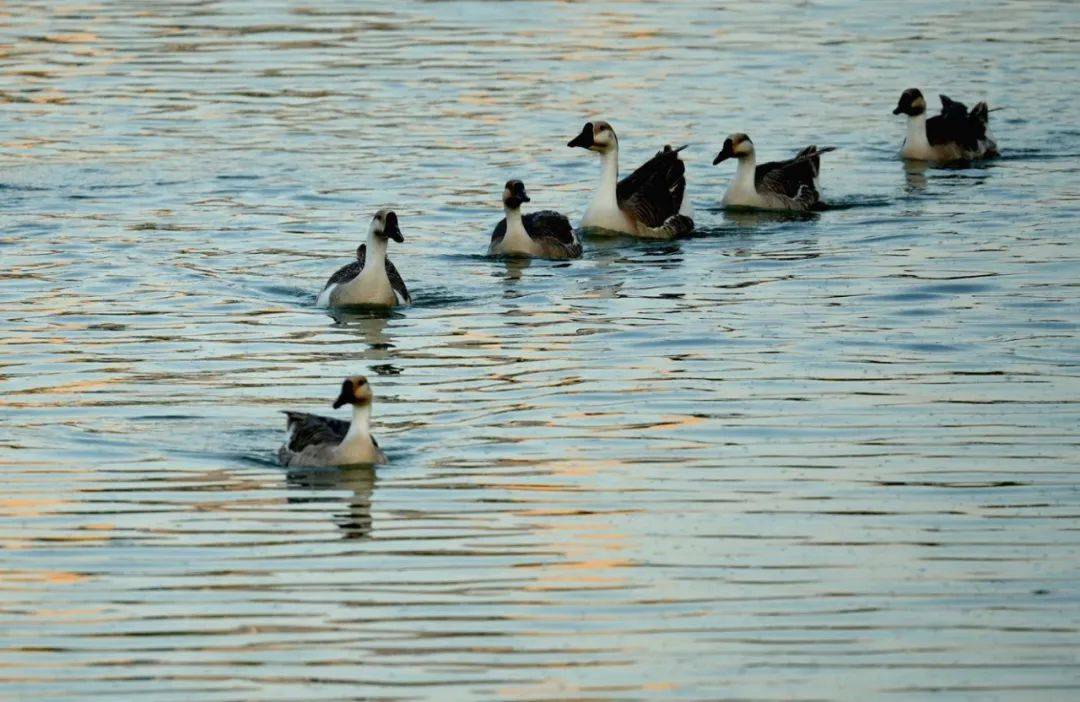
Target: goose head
x=596 y=136
x=912 y=103
x=356 y=391
x=737 y=145
x=385 y=225
x=514 y=194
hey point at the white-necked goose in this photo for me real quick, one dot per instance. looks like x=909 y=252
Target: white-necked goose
x=324 y=441
x=777 y=185
x=954 y=135
x=544 y=234
x=650 y=202
x=371 y=279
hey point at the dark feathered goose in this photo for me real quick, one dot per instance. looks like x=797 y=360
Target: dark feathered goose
x=544 y=234
x=777 y=185
x=325 y=441
x=650 y=202
x=370 y=279
x=954 y=135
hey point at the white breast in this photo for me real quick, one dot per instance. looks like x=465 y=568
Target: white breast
x=359 y=449
x=517 y=241
x=371 y=287
x=609 y=218
x=738 y=195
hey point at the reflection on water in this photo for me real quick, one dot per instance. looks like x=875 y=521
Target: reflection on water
x=915 y=173
x=358 y=482
x=793 y=457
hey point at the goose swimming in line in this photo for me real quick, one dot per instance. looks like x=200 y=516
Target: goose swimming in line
x=649 y=202
x=371 y=279
x=544 y=234
x=777 y=185
x=954 y=135
x=316 y=441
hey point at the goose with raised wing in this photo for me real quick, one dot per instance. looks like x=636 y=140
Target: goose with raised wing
x=543 y=234
x=954 y=135
x=317 y=441
x=650 y=203
x=789 y=185
x=371 y=279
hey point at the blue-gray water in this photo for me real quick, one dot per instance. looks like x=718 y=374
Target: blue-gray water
x=823 y=458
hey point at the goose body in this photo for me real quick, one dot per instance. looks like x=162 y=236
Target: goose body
x=316 y=441
x=790 y=185
x=649 y=203
x=372 y=278
x=956 y=134
x=544 y=234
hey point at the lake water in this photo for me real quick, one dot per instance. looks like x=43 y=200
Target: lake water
x=833 y=457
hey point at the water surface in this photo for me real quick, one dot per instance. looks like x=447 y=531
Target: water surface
x=791 y=458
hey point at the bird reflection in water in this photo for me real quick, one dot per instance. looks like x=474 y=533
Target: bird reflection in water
x=752 y=218
x=515 y=266
x=355 y=522
x=915 y=176
x=370 y=324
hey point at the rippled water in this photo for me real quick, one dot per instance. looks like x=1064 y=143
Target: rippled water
x=790 y=458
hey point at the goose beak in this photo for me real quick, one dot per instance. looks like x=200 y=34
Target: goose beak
x=724 y=154
x=345 y=397
x=585 y=139
x=391 y=229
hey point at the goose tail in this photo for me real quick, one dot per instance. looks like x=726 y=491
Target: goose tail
x=981 y=118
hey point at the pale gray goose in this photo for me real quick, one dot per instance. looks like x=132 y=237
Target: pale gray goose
x=317 y=441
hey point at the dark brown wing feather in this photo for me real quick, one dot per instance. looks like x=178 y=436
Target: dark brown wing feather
x=784 y=177
x=955 y=125
x=396 y=281
x=350 y=271
x=654 y=191
x=545 y=224
x=548 y=224
x=311 y=429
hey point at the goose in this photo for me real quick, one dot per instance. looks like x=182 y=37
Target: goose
x=370 y=279
x=544 y=234
x=315 y=441
x=777 y=185
x=648 y=203
x=953 y=135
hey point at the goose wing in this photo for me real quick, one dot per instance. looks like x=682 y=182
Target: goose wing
x=548 y=224
x=308 y=430
x=397 y=283
x=654 y=191
x=787 y=177
x=955 y=126
x=349 y=271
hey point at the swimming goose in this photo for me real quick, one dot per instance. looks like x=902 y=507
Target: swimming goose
x=316 y=441
x=544 y=234
x=777 y=185
x=370 y=279
x=649 y=202
x=954 y=135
